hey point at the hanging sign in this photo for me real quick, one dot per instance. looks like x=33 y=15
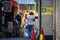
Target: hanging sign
x=7 y=6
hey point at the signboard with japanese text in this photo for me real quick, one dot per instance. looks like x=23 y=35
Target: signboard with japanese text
x=7 y=6
x=47 y=10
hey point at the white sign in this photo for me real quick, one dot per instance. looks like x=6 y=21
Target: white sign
x=10 y=27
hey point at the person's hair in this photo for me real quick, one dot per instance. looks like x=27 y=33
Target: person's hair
x=31 y=13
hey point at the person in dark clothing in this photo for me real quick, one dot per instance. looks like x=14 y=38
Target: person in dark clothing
x=17 y=24
x=18 y=17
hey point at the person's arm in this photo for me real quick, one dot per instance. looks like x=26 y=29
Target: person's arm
x=34 y=18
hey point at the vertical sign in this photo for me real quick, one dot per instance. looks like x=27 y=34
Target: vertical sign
x=7 y=6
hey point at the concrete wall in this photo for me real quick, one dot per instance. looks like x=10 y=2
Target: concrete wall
x=47 y=24
x=47 y=2
x=15 y=12
x=47 y=21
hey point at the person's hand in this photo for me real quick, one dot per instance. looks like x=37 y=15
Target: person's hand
x=21 y=26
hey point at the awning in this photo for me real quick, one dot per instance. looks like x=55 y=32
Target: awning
x=14 y=3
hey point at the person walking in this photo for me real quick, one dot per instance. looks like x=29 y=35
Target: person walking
x=17 y=24
x=30 y=23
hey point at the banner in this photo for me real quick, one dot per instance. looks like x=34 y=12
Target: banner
x=47 y=10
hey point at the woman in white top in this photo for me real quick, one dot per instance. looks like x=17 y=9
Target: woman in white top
x=30 y=23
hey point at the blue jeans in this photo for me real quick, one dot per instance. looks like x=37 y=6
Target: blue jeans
x=29 y=30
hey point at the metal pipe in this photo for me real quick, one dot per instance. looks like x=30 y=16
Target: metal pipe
x=39 y=12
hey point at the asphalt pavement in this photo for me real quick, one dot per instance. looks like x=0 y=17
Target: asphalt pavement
x=14 y=39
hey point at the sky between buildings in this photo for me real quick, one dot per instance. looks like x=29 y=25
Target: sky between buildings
x=25 y=1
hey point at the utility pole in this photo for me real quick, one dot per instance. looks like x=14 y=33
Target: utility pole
x=39 y=15
x=39 y=12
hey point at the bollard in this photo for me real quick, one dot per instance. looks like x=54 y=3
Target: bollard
x=41 y=34
x=33 y=37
